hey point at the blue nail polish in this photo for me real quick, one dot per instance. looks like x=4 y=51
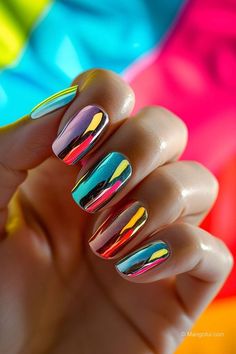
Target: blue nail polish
x=54 y=102
x=102 y=182
x=143 y=259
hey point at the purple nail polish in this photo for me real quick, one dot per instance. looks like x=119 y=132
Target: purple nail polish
x=80 y=134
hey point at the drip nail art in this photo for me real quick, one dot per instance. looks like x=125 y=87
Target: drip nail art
x=102 y=182
x=143 y=259
x=80 y=134
x=118 y=229
x=54 y=102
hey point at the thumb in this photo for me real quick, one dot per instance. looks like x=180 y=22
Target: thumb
x=28 y=142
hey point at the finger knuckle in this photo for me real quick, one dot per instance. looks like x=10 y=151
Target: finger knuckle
x=204 y=173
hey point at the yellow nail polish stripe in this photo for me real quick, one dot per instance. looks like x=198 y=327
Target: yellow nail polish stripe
x=134 y=219
x=158 y=254
x=118 y=171
x=94 y=123
x=55 y=96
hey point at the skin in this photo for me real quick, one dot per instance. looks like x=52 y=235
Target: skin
x=56 y=296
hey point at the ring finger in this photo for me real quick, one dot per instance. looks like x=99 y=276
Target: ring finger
x=179 y=191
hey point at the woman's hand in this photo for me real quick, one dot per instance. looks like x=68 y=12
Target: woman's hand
x=56 y=296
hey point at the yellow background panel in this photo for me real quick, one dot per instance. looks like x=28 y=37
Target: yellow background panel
x=16 y=20
x=215 y=331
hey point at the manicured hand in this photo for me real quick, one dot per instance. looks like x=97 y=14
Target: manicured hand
x=118 y=265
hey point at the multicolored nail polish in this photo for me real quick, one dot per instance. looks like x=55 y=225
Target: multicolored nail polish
x=118 y=229
x=80 y=134
x=102 y=182
x=56 y=101
x=144 y=259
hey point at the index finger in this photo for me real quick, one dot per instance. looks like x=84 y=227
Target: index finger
x=27 y=143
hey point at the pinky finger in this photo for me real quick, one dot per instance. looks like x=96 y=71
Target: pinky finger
x=200 y=262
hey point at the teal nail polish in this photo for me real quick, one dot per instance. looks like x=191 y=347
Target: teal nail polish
x=54 y=102
x=143 y=259
x=102 y=182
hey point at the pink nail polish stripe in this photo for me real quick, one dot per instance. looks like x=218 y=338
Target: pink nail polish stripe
x=72 y=155
x=146 y=267
x=103 y=196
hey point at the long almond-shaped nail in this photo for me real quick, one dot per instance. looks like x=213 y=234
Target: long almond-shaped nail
x=102 y=182
x=80 y=134
x=118 y=229
x=147 y=257
x=54 y=102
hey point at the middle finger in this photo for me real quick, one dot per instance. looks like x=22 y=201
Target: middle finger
x=152 y=138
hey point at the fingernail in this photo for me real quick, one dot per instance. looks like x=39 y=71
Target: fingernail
x=118 y=229
x=144 y=259
x=102 y=182
x=80 y=134
x=54 y=102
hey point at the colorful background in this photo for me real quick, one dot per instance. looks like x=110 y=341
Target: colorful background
x=175 y=53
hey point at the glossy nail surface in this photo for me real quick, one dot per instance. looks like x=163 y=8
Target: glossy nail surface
x=118 y=229
x=102 y=182
x=145 y=258
x=80 y=134
x=54 y=102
